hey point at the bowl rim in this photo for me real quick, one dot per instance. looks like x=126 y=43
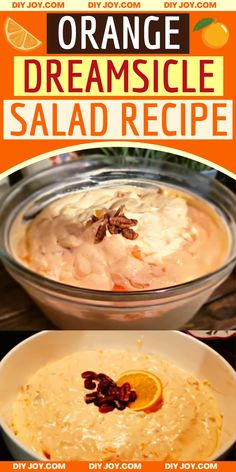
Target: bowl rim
x=60 y=288
x=25 y=449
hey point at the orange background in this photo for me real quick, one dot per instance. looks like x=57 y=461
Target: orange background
x=220 y=152
x=146 y=466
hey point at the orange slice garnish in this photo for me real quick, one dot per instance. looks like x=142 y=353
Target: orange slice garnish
x=148 y=388
x=19 y=37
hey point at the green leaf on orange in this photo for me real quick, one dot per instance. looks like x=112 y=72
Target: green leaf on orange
x=202 y=23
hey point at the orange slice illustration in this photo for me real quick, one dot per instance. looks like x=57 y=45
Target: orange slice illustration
x=148 y=388
x=19 y=37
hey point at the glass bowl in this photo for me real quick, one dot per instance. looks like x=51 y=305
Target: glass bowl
x=76 y=308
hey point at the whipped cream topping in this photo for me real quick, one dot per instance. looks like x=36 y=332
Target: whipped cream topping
x=174 y=230
x=50 y=416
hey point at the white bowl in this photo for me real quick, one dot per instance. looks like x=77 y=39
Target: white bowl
x=181 y=349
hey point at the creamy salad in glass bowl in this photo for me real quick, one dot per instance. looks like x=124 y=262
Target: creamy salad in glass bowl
x=117 y=246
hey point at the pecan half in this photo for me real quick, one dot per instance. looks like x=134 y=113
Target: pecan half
x=89 y=384
x=132 y=396
x=120 y=211
x=89 y=373
x=129 y=233
x=114 y=222
x=122 y=221
x=125 y=392
x=106 y=408
x=91 y=397
x=101 y=233
x=113 y=229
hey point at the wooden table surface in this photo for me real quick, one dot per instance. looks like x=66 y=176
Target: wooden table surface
x=18 y=312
